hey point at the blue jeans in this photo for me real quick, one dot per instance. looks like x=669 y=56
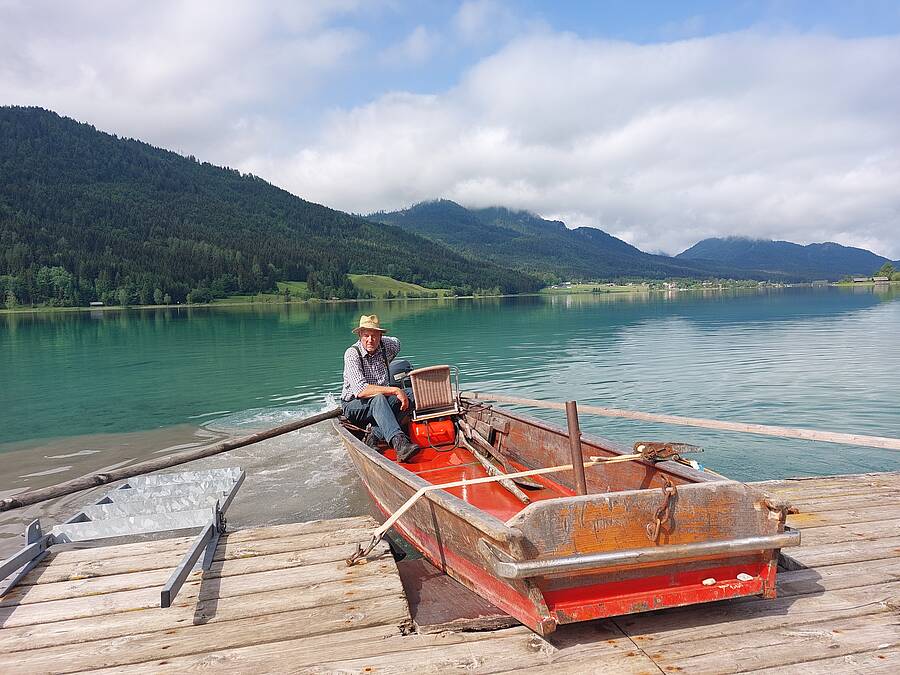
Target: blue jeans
x=383 y=412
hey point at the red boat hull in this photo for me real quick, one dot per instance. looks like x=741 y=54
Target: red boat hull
x=559 y=532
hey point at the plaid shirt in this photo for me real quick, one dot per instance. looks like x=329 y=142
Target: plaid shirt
x=370 y=369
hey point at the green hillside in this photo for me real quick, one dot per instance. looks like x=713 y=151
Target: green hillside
x=379 y=286
x=539 y=247
x=87 y=216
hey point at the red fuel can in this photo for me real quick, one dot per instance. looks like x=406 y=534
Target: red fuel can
x=432 y=432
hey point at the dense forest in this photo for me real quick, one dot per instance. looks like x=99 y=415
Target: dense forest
x=87 y=216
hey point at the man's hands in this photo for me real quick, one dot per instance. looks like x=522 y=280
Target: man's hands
x=371 y=390
x=404 y=399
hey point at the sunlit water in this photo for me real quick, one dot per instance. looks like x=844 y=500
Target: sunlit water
x=85 y=391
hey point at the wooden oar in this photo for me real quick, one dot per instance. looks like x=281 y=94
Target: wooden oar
x=492 y=451
x=93 y=480
x=882 y=442
x=494 y=471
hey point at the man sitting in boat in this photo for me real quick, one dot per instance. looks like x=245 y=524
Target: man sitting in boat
x=369 y=394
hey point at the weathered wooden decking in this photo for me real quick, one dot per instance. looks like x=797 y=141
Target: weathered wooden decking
x=281 y=599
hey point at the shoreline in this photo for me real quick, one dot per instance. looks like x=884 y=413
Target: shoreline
x=543 y=292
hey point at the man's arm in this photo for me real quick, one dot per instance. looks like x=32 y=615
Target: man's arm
x=371 y=390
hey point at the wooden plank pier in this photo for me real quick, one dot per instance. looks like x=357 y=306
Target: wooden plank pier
x=281 y=599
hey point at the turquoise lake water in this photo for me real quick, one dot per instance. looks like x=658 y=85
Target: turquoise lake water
x=822 y=358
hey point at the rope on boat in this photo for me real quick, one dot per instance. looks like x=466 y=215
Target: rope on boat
x=378 y=535
x=883 y=442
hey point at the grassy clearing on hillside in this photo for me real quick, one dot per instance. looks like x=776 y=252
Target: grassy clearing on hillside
x=298 y=291
x=376 y=285
x=595 y=288
x=298 y=288
x=379 y=286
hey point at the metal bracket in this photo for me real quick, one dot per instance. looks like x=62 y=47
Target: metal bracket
x=36 y=547
x=206 y=542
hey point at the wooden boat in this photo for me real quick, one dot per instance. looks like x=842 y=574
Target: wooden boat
x=567 y=557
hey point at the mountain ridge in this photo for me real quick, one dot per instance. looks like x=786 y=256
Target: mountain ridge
x=828 y=259
x=529 y=243
x=547 y=248
x=86 y=215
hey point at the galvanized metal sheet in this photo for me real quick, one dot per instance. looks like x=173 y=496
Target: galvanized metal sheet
x=152 y=480
x=136 y=507
x=131 y=525
x=172 y=490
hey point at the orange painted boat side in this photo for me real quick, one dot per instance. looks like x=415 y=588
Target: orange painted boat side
x=469 y=531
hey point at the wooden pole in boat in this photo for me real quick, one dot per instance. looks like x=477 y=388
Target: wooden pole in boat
x=90 y=481
x=883 y=442
x=575 y=447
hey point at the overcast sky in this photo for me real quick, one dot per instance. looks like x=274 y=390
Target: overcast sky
x=661 y=122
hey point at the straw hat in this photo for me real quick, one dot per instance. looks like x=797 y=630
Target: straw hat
x=369 y=321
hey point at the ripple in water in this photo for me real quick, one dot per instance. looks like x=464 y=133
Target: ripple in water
x=301 y=475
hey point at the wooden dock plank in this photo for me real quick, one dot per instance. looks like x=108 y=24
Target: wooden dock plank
x=85 y=629
x=265 y=656
x=86 y=553
x=833 y=577
x=321 y=619
x=807 y=520
x=280 y=599
x=506 y=650
x=736 y=617
x=873 y=662
x=833 y=534
x=844 y=552
x=219 y=587
x=781 y=646
x=113 y=560
x=847 y=502
x=124 y=581
x=842 y=481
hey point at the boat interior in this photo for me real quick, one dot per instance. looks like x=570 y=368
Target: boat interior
x=640 y=530
x=466 y=440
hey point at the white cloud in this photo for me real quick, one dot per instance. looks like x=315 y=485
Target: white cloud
x=485 y=20
x=790 y=136
x=782 y=135
x=414 y=50
x=197 y=77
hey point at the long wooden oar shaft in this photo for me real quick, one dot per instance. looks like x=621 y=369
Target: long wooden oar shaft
x=93 y=480
x=882 y=442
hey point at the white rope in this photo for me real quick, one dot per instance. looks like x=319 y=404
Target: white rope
x=380 y=532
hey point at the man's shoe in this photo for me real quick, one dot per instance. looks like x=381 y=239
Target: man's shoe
x=369 y=438
x=405 y=448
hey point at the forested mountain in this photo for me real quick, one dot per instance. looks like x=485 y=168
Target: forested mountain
x=86 y=216
x=545 y=248
x=820 y=261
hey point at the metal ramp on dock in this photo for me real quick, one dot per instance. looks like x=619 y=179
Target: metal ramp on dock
x=143 y=505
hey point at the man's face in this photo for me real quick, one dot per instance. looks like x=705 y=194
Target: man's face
x=370 y=339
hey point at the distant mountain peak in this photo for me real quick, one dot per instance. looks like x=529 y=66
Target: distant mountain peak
x=828 y=260
x=529 y=243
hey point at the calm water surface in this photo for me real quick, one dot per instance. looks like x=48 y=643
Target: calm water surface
x=82 y=391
